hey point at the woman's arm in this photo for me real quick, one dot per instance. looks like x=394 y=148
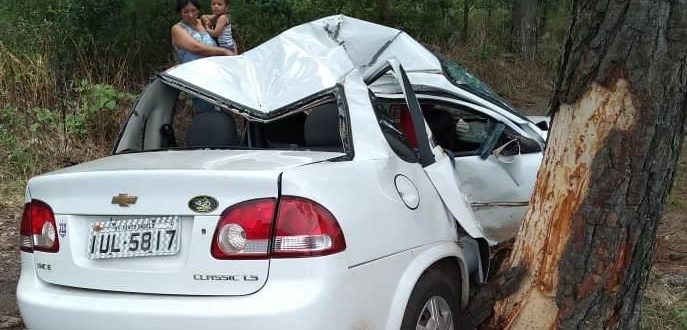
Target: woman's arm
x=181 y=39
x=205 y=19
x=222 y=22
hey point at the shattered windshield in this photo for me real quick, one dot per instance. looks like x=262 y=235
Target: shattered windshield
x=460 y=77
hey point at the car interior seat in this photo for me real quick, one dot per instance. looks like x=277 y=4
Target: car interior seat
x=322 y=128
x=406 y=124
x=212 y=129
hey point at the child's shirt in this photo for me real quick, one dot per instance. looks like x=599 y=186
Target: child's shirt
x=225 y=38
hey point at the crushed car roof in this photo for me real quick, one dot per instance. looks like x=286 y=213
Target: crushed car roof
x=300 y=62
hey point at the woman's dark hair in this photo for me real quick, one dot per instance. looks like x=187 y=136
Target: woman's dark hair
x=182 y=3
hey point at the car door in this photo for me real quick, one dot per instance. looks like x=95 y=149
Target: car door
x=436 y=164
x=495 y=161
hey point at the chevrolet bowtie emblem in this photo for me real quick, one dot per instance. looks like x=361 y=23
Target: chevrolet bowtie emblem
x=124 y=200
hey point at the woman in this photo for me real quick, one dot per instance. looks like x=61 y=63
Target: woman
x=191 y=42
x=189 y=38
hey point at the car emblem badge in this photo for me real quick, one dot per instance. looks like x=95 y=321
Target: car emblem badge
x=124 y=200
x=63 y=229
x=203 y=204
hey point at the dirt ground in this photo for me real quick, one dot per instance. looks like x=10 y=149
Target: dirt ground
x=667 y=287
x=9 y=268
x=671 y=239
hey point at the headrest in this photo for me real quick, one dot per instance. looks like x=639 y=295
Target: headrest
x=212 y=129
x=322 y=127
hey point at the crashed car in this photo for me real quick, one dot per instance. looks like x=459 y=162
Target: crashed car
x=348 y=179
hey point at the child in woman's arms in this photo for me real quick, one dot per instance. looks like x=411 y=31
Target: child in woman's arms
x=219 y=26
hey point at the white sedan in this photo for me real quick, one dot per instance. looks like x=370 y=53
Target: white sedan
x=347 y=179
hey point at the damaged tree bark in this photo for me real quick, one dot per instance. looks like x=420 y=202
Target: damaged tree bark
x=585 y=247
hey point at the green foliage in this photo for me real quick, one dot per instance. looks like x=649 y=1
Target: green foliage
x=96 y=101
x=135 y=34
x=72 y=31
x=44 y=120
x=682 y=314
x=15 y=154
x=90 y=113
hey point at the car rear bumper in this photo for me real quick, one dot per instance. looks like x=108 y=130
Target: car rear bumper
x=299 y=295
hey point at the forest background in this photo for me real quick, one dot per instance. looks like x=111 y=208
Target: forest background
x=70 y=69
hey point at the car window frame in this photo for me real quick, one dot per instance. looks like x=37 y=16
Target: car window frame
x=448 y=100
x=425 y=149
x=336 y=92
x=404 y=155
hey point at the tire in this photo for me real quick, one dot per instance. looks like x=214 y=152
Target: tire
x=435 y=288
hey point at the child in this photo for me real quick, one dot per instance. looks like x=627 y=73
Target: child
x=218 y=25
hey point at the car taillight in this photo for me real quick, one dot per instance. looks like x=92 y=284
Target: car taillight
x=38 y=231
x=25 y=232
x=305 y=228
x=244 y=230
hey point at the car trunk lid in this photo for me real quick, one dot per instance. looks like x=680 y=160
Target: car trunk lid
x=85 y=197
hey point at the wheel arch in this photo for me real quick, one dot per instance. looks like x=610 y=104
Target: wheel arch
x=441 y=255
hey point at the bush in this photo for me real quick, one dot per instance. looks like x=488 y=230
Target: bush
x=73 y=31
x=95 y=114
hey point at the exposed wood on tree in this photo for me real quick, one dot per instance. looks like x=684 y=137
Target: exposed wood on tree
x=620 y=105
x=524 y=27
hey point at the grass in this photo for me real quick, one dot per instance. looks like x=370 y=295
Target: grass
x=26 y=80
x=45 y=126
x=665 y=305
x=678 y=196
x=665 y=301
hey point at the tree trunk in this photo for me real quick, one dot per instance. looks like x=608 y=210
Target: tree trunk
x=384 y=11
x=466 y=16
x=586 y=244
x=543 y=17
x=490 y=8
x=524 y=27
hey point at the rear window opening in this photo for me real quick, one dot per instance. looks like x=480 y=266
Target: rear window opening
x=166 y=118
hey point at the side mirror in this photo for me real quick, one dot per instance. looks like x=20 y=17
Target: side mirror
x=507 y=152
x=491 y=141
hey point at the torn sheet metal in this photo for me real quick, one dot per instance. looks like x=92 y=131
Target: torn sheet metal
x=300 y=62
x=447 y=185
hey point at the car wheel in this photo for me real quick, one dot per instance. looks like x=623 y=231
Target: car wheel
x=434 y=303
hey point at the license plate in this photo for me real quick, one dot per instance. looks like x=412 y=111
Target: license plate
x=128 y=238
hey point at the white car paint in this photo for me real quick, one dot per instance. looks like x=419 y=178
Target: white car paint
x=498 y=191
x=500 y=202
x=76 y=196
x=389 y=245
x=367 y=285
x=319 y=293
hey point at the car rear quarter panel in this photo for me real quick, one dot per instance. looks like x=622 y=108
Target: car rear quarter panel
x=362 y=196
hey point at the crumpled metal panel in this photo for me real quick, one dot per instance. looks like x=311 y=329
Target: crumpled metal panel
x=300 y=62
